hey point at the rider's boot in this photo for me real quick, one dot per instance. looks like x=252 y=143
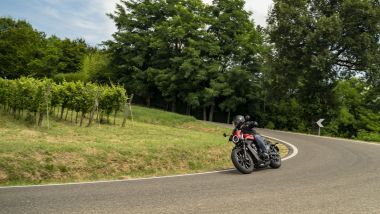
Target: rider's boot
x=264 y=156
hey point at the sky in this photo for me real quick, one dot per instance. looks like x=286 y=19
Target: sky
x=87 y=18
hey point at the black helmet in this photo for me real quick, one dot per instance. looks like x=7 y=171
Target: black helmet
x=238 y=119
x=255 y=124
x=247 y=117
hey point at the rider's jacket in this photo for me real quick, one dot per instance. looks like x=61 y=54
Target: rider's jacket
x=248 y=128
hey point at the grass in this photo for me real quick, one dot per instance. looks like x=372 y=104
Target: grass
x=155 y=116
x=369 y=136
x=157 y=143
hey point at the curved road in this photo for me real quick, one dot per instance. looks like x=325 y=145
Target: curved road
x=327 y=176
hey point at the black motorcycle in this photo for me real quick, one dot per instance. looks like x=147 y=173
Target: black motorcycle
x=246 y=155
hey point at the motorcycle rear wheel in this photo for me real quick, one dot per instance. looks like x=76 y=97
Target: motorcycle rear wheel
x=275 y=163
x=243 y=163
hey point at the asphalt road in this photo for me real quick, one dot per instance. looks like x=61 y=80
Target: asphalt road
x=327 y=176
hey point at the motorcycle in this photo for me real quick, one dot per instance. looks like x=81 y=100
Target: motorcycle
x=246 y=156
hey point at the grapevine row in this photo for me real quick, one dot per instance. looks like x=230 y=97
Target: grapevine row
x=38 y=98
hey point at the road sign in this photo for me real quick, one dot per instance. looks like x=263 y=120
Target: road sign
x=319 y=122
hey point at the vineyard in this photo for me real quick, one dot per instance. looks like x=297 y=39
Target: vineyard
x=35 y=100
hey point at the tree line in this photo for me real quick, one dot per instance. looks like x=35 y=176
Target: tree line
x=25 y=51
x=314 y=59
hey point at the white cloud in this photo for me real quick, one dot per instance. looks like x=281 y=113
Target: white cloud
x=96 y=20
x=109 y=7
x=259 y=8
x=49 y=11
x=86 y=19
x=87 y=24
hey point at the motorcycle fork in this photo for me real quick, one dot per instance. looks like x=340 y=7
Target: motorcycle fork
x=245 y=151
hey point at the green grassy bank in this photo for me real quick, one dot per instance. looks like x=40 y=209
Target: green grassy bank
x=157 y=143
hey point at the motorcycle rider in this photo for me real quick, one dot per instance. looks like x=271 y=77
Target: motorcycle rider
x=247 y=126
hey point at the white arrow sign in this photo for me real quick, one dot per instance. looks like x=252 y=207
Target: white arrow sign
x=319 y=122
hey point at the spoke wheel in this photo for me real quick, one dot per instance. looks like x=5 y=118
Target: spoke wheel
x=242 y=162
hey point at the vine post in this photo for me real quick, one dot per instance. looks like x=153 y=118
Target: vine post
x=127 y=105
x=47 y=94
x=94 y=108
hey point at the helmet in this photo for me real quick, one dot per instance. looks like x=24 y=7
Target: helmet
x=238 y=119
x=247 y=118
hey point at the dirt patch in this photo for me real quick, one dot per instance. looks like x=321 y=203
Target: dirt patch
x=199 y=127
x=217 y=151
x=70 y=159
x=3 y=130
x=59 y=139
x=29 y=133
x=91 y=151
x=39 y=157
x=3 y=176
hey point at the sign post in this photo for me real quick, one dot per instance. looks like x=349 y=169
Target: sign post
x=319 y=123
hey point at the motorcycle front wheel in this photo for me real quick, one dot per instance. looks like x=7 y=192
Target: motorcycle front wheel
x=242 y=162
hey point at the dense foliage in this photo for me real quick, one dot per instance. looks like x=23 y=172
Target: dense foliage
x=212 y=57
x=39 y=97
x=25 y=51
x=187 y=52
x=324 y=64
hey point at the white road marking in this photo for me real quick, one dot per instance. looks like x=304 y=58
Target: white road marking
x=295 y=150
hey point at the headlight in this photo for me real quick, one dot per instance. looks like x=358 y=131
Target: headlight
x=235 y=139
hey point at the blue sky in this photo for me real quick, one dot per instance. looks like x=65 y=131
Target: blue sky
x=86 y=18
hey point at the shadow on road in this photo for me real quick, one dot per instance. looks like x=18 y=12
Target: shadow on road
x=236 y=172
x=230 y=172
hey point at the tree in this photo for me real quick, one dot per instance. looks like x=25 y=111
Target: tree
x=72 y=53
x=136 y=48
x=352 y=113
x=25 y=51
x=21 y=48
x=240 y=55
x=183 y=33
x=96 y=66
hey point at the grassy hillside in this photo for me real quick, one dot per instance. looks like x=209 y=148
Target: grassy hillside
x=159 y=117
x=157 y=143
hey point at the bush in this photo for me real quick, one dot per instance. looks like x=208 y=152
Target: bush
x=270 y=125
x=368 y=136
x=70 y=77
